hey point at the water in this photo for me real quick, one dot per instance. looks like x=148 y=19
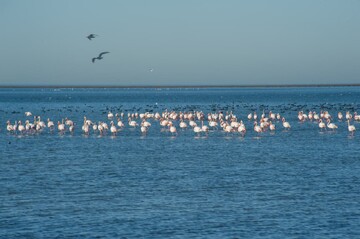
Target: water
x=300 y=183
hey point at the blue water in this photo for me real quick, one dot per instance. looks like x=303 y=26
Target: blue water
x=297 y=183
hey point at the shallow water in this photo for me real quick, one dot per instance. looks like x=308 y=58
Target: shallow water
x=300 y=183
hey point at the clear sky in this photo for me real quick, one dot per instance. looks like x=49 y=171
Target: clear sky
x=187 y=42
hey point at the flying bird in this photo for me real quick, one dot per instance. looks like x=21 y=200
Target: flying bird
x=100 y=56
x=91 y=36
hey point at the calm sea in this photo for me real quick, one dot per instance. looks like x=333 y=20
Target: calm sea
x=297 y=183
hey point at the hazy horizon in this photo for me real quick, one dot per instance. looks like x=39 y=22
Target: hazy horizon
x=184 y=43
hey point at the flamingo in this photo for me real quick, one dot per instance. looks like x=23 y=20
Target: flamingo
x=95 y=127
x=228 y=129
x=143 y=129
x=340 y=116
x=71 y=128
x=61 y=127
x=204 y=128
x=183 y=125
x=113 y=129
x=100 y=128
x=146 y=123
x=197 y=130
x=272 y=115
x=9 y=127
x=120 y=123
x=286 y=124
x=173 y=129
x=316 y=116
x=356 y=116
x=242 y=128
x=331 y=125
x=21 y=127
x=50 y=124
x=348 y=116
x=133 y=123
x=322 y=124
x=68 y=122
x=310 y=115
x=85 y=126
x=255 y=116
x=192 y=123
x=257 y=128
x=351 y=128
x=271 y=126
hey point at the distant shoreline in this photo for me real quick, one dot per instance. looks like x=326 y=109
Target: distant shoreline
x=176 y=86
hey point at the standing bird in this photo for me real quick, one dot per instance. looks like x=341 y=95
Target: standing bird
x=351 y=128
x=286 y=124
x=100 y=56
x=91 y=36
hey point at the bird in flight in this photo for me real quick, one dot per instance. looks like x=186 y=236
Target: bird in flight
x=91 y=36
x=100 y=56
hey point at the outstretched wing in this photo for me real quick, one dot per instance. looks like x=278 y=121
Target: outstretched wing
x=103 y=53
x=93 y=60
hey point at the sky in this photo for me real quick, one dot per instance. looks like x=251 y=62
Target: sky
x=187 y=42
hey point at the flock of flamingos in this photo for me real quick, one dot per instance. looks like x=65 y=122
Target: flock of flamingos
x=171 y=121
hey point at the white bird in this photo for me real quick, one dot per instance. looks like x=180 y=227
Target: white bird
x=257 y=128
x=351 y=128
x=9 y=127
x=331 y=125
x=143 y=129
x=173 y=130
x=95 y=127
x=182 y=125
x=228 y=129
x=28 y=113
x=271 y=126
x=204 y=128
x=242 y=128
x=21 y=127
x=192 y=123
x=71 y=128
x=50 y=124
x=255 y=116
x=197 y=129
x=120 y=123
x=133 y=123
x=61 y=127
x=321 y=124
x=340 y=116
x=100 y=128
x=110 y=116
x=286 y=124
x=113 y=129
x=146 y=123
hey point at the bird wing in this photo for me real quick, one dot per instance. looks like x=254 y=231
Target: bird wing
x=91 y=36
x=103 y=53
x=93 y=60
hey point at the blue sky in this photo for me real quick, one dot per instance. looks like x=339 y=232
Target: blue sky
x=197 y=42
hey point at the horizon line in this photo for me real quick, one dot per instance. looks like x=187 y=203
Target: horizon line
x=178 y=86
